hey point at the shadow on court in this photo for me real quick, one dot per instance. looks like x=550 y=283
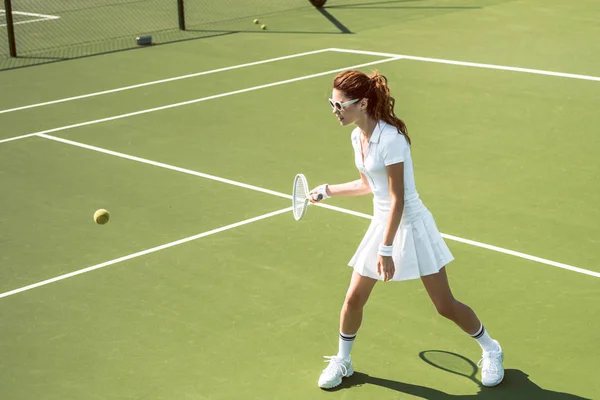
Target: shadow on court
x=334 y=21
x=516 y=385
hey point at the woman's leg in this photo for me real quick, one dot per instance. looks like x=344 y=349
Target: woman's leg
x=350 y=320
x=438 y=288
x=352 y=311
x=356 y=297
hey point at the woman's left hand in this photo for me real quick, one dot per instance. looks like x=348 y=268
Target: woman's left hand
x=385 y=267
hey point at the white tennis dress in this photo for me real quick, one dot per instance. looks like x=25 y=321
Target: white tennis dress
x=419 y=249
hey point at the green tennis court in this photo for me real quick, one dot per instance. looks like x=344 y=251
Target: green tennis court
x=203 y=286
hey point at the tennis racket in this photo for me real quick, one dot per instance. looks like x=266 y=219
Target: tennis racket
x=301 y=196
x=451 y=362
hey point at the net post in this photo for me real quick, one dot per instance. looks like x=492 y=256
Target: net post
x=10 y=28
x=181 y=13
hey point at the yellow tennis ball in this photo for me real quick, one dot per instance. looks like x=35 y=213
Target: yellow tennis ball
x=255 y=21
x=263 y=27
x=101 y=216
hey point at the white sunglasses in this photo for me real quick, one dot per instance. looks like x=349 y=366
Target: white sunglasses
x=339 y=106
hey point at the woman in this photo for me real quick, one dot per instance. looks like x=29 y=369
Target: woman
x=402 y=241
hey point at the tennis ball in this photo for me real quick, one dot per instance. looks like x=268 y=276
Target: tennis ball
x=255 y=21
x=263 y=27
x=101 y=216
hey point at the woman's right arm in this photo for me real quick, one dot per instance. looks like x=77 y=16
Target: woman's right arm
x=358 y=187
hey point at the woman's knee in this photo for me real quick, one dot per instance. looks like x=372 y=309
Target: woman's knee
x=358 y=292
x=446 y=307
x=355 y=301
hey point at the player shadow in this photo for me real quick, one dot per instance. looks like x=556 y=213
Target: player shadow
x=515 y=386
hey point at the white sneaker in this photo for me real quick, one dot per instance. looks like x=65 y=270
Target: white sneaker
x=492 y=371
x=336 y=370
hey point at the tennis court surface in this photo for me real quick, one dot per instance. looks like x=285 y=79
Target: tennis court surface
x=203 y=286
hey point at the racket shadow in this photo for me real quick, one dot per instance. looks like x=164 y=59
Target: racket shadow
x=515 y=386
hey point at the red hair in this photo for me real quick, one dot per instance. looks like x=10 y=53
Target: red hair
x=374 y=88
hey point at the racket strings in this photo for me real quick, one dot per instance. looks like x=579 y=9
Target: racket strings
x=300 y=192
x=299 y=197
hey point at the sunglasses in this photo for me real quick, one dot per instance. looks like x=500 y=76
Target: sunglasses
x=339 y=106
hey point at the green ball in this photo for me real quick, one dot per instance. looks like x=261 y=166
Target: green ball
x=263 y=27
x=255 y=21
x=101 y=216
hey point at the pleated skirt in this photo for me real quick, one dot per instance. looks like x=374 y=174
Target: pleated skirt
x=419 y=248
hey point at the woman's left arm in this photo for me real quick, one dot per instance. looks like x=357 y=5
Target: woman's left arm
x=385 y=263
x=395 y=174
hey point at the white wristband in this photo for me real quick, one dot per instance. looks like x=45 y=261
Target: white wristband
x=385 y=250
x=322 y=190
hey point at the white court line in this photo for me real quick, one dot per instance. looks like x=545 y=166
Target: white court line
x=163 y=165
x=42 y=17
x=97 y=121
x=472 y=64
x=192 y=172
x=175 y=78
x=10 y=139
x=364 y=52
x=144 y=252
x=32 y=14
x=522 y=255
x=29 y=21
x=339 y=209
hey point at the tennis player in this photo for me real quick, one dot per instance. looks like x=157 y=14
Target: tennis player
x=402 y=241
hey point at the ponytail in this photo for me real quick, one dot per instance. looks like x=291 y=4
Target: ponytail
x=382 y=108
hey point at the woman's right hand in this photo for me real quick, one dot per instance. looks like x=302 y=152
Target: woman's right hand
x=314 y=196
x=319 y=194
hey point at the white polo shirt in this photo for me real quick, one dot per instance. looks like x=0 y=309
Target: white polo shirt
x=386 y=147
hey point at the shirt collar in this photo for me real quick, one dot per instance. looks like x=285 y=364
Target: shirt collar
x=376 y=133
x=374 y=137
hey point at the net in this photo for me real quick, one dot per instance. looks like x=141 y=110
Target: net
x=52 y=30
x=61 y=29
